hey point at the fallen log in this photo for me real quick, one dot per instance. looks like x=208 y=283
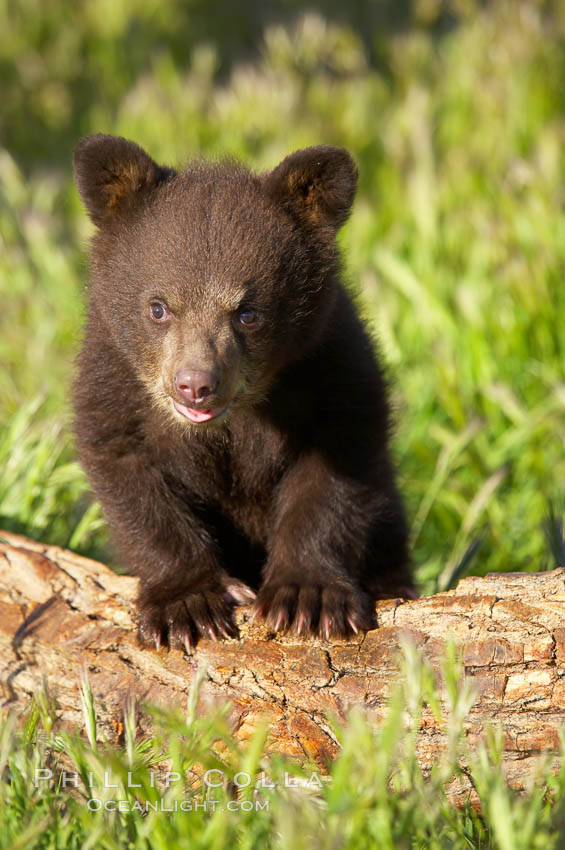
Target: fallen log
x=60 y=612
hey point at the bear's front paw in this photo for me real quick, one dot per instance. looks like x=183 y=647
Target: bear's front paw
x=315 y=608
x=181 y=622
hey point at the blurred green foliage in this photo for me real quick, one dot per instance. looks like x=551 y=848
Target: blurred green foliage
x=455 y=115
x=64 y=67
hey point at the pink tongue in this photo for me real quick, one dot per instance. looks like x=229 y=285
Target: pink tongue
x=197 y=415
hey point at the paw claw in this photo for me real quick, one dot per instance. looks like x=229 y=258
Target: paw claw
x=327 y=623
x=240 y=594
x=353 y=625
x=259 y=611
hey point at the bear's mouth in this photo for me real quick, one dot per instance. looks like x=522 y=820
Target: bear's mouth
x=198 y=415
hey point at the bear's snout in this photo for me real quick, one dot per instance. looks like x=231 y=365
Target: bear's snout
x=195 y=385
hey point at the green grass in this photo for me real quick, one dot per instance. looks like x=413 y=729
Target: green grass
x=376 y=796
x=456 y=247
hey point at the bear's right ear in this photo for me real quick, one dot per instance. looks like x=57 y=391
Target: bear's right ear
x=112 y=173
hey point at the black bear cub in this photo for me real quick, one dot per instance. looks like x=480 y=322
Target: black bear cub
x=230 y=412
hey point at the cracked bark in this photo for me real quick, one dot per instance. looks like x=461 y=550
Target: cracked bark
x=59 y=612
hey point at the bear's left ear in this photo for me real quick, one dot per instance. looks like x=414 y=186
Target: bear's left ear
x=112 y=173
x=317 y=183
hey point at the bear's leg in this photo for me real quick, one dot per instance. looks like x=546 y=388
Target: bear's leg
x=321 y=573
x=184 y=592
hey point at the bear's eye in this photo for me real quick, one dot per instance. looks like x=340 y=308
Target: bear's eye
x=158 y=311
x=247 y=317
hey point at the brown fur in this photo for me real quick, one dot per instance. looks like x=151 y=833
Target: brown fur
x=290 y=491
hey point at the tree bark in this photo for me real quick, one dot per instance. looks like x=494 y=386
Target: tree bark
x=60 y=612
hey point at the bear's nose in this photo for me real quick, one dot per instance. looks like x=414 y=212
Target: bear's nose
x=194 y=385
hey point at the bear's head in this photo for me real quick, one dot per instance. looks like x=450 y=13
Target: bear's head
x=212 y=280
